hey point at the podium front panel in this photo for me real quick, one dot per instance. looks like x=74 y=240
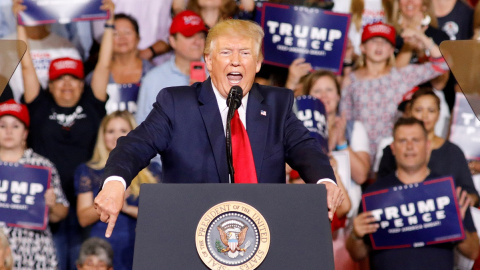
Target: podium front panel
x=297 y=217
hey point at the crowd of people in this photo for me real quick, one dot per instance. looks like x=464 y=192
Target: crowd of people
x=82 y=85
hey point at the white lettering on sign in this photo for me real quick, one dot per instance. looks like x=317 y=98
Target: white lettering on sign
x=302 y=35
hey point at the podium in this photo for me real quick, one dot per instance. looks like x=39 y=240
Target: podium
x=177 y=221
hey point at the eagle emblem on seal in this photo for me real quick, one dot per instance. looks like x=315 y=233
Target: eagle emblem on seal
x=233 y=234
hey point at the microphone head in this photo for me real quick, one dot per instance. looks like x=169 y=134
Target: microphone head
x=235 y=96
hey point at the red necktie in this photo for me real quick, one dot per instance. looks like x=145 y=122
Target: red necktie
x=243 y=163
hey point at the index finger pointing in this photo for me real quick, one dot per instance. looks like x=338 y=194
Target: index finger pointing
x=111 y=224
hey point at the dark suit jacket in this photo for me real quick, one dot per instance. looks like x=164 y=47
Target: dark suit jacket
x=185 y=127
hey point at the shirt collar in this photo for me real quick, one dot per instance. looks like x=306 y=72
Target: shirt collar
x=222 y=101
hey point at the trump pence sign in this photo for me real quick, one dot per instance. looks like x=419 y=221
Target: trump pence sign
x=415 y=215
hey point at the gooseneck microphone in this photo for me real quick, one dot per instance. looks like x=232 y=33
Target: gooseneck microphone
x=234 y=100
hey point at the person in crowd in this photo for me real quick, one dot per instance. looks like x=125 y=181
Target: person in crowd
x=419 y=15
x=364 y=12
x=374 y=89
x=455 y=18
x=411 y=148
x=25 y=243
x=343 y=135
x=95 y=253
x=153 y=18
x=446 y=158
x=6 y=259
x=44 y=46
x=122 y=67
x=184 y=136
x=187 y=38
x=88 y=178
x=214 y=11
x=64 y=123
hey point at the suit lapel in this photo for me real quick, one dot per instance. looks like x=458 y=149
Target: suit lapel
x=257 y=124
x=213 y=124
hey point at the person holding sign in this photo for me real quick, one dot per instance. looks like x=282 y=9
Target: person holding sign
x=446 y=157
x=31 y=248
x=411 y=148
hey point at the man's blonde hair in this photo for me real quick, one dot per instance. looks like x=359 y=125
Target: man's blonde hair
x=235 y=27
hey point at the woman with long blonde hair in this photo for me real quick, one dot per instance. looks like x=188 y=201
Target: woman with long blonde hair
x=88 y=178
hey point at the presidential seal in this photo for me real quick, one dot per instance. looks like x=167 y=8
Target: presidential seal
x=232 y=235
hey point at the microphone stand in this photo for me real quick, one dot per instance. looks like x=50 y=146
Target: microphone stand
x=234 y=101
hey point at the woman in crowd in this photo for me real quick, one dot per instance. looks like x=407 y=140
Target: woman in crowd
x=120 y=68
x=88 y=178
x=343 y=135
x=446 y=158
x=31 y=248
x=95 y=253
x=416 y=14
x=374 y=90
x=217 y=10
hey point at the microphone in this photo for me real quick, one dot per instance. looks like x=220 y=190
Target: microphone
x=234 y=100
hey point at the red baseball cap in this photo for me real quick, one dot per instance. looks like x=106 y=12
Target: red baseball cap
x=379 y=29
x=188 y=23
x=406 y=98
x=20 y=111
x=66 y=65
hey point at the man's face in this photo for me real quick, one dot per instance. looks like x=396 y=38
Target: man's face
x=188 y=48
x=410 y=147
x=233 y=60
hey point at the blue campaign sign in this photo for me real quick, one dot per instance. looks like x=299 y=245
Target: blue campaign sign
x=315 y=34
x=61 y=11
x=465 y=128
x=122 y=97
x=415 y=215
x=22 y=189
x=311 y=112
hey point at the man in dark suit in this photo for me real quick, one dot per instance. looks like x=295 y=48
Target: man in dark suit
x=187 y=127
